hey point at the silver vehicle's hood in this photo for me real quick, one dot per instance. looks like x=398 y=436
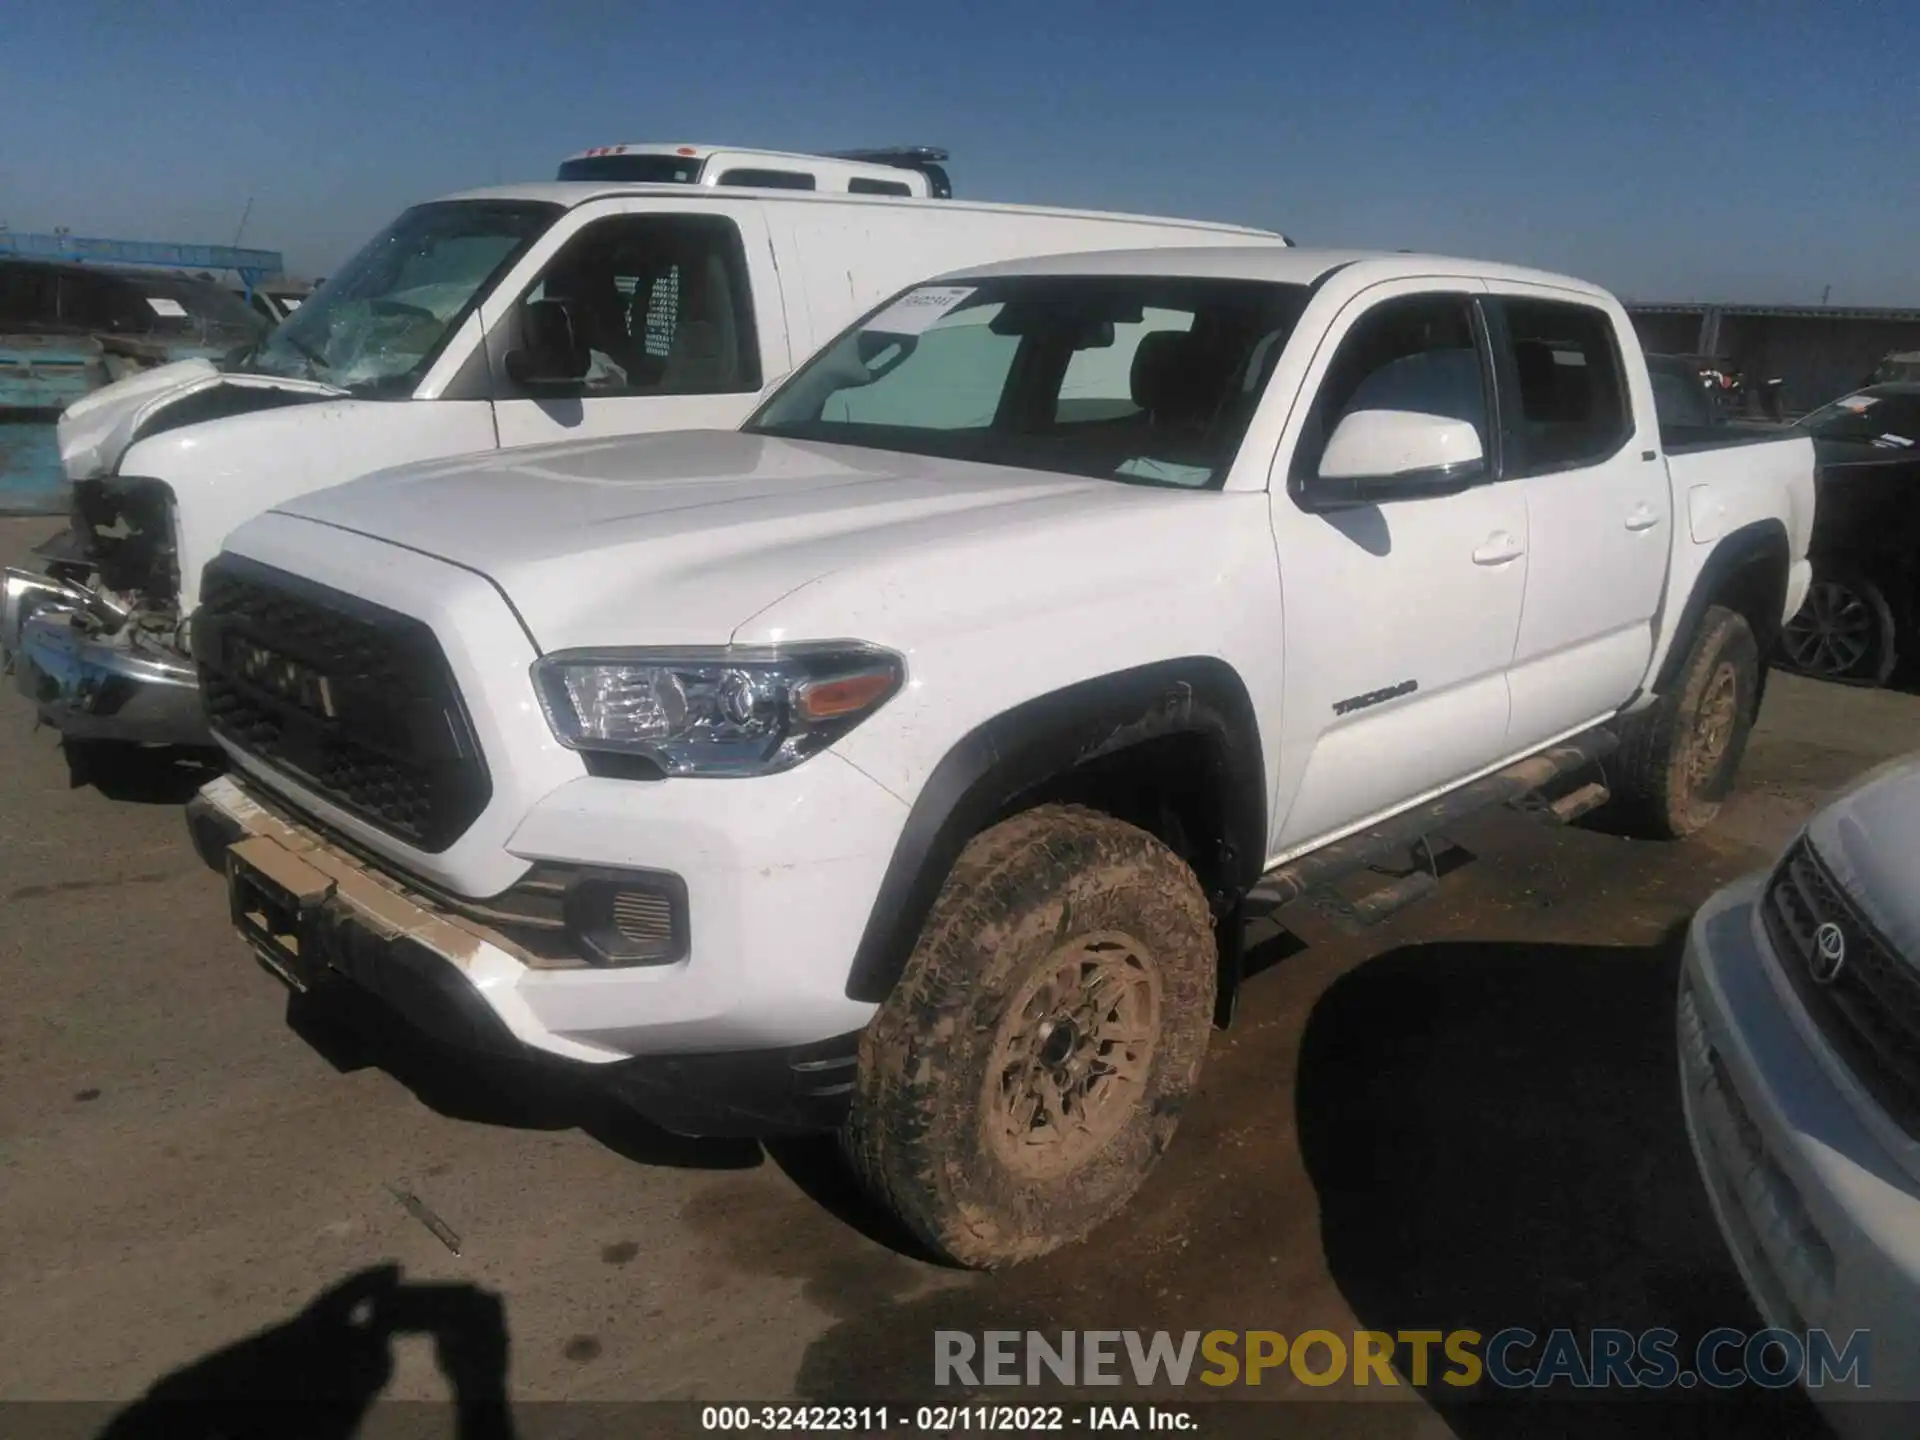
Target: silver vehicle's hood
x=1870 y=839
x=96 y=430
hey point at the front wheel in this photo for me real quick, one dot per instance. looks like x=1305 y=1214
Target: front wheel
x=1678 y=758
x=1031 y=1065
x=1844 y=630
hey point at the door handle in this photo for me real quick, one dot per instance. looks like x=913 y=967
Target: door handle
x=1500 y=547
x=1642 y=517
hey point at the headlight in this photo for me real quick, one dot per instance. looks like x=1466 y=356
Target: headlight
x=730 y=710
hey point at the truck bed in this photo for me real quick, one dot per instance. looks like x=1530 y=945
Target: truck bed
x=1691 y=439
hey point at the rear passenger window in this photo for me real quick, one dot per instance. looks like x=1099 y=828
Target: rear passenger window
x=1571 y=407
x=768 y=179
x=1415 y=354
x=860 y=185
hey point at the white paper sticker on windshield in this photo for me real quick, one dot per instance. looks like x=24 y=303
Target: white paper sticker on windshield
x=291 y=303
x=1900 y=440
x=163 y=306
x=1858 y=404
x=918 y=310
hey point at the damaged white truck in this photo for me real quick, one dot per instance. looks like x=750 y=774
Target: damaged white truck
x=906 y=763
x=499 y=318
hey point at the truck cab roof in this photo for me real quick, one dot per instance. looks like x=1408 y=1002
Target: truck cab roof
x=1290 y=264
x=570 y=194
x=903 y=171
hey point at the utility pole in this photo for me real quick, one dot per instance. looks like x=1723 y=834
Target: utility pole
x=246 y=285
x=1824 y=293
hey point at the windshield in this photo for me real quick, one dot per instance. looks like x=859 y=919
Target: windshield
x=1887 y=418
x=1144 y=379
x=377 y=324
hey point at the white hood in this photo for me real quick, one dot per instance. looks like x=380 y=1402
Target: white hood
x=682 y=538
x=97 y=429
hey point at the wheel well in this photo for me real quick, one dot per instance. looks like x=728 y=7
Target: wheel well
x=1169 y=786
x=1755 y=589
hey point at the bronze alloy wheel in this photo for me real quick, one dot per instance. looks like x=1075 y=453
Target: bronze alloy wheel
x=1713 y=726
x=1072 y=1057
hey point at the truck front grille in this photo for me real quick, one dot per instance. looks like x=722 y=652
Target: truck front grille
x=351 y=700
x=1869 y=1010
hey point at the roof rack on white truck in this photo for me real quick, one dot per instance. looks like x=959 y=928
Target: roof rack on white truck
x=908 y=170
x=908 y=761
x=491 y=319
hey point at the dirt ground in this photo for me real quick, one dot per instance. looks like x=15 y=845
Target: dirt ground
x=1467 y=1118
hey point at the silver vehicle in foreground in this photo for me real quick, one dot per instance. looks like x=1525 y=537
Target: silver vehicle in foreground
x=1799 y=1030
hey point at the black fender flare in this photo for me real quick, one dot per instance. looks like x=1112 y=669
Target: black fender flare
x=1024 y=747
x=1763 y=542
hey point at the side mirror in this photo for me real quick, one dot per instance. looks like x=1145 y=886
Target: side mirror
x=550 y=352
x=1377 y=455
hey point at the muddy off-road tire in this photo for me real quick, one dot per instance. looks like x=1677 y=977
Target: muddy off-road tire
x=1031 y=1065
x=1678 y=758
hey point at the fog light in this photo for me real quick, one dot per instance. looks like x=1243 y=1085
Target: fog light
x=628 y=917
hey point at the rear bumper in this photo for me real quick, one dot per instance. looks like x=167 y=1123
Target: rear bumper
x=317 y=916
x=93 y=687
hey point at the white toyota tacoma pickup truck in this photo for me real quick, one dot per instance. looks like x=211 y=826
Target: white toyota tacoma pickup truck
x=905 y=763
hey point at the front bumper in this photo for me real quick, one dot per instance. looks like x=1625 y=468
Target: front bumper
x=1821 y=1216
x=94 y=687
x=318 y=916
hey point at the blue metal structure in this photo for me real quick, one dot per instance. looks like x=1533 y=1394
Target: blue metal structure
x=253 y=266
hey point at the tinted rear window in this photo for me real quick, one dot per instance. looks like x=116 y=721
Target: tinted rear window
x=634 y=169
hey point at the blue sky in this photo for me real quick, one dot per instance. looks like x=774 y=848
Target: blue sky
x=1688 y=149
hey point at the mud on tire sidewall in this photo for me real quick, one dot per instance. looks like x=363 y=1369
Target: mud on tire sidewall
x=1725 y=640
x=920 y=1127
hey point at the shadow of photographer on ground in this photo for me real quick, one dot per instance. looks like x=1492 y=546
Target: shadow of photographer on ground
x=317 y=1375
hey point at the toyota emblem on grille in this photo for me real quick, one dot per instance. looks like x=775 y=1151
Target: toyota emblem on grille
x=1829 y=956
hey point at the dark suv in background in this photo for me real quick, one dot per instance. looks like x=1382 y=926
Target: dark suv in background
x=152 y=315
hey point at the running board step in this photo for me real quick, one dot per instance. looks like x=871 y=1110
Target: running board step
x=1432 y=861
x=1288 y=882
x=1575 y=803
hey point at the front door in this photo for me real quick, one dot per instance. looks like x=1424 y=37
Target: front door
x=1399 y=618
x=1599 y=511
x=680 y=313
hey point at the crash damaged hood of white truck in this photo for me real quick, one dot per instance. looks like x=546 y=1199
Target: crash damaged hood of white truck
x=97 y=430
x=707 y=537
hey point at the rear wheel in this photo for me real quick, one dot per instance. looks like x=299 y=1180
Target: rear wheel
x=1031 y=1065
x=1845 y=631
x=1678 y=758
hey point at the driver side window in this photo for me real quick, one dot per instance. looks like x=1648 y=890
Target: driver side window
x=662 y=305
x=1418 y=353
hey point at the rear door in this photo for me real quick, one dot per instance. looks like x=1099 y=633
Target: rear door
x=1584 y=450
x=1400 y=617
x=680 y=309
